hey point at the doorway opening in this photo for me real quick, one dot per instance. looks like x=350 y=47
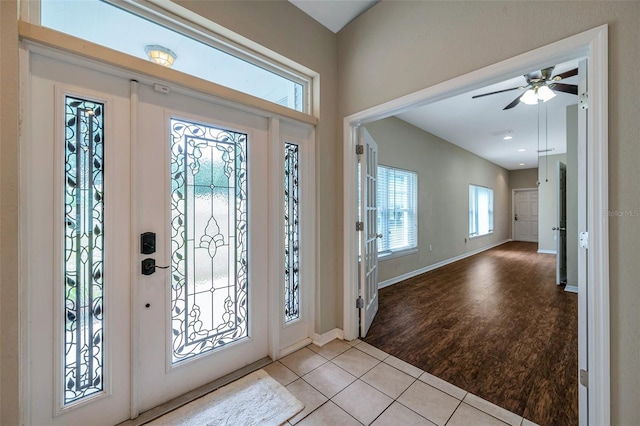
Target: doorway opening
x=594 y=311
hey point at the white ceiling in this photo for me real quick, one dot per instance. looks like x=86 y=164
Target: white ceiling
x=479 y=125
x=334 y=14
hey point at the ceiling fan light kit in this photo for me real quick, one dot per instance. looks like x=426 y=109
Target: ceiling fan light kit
x=540 y=87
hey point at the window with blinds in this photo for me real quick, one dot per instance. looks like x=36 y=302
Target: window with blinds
x=397 y=210
x=480 y=211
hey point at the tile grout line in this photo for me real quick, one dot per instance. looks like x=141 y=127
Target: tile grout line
x=394 y=400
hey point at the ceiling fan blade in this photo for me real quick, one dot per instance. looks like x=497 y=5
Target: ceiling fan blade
x=566 y=88
x=515 y=102
x=493 y=93
x=565 y=74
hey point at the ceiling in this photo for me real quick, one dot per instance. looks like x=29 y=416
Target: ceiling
x=334 y=14
x=480 y=125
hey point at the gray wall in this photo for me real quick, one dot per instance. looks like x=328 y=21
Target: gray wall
x=397 y=48
x=9 y=331
x=523 y=179
x=548 y=203
x=572 y=195
x=444 y=174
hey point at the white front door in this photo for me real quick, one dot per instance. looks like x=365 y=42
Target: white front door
x=106 y=160
x=525 y=217
x=202 y=189
x=369 y=233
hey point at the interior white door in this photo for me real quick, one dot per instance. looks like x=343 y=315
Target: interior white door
x=561 y=228
x=525 y=220
x=202 y=189
x=76 y=256
x=369 y=234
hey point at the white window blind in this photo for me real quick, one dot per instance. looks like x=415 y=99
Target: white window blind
x=480 y=211
x=397 y=209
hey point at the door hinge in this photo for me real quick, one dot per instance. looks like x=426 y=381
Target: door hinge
x=359 y=303
x=359 y=149
x=583 y=100
x=583 y=239
x=359 y=226
x=584 y=378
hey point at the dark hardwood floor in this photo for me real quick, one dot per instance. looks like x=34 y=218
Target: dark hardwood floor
x=494 y=324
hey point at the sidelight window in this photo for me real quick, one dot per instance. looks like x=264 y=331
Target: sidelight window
x=292 y=231
x=83 y=249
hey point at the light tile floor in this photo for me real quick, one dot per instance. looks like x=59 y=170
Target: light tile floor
x=354 y=383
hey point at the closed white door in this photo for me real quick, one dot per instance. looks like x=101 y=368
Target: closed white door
x=369 y=233
x=76 y=248
x=525 y=218
x=201 y=188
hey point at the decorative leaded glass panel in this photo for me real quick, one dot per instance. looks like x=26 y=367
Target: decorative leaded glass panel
x=209 y=286
x=83 y=249
x=292 y=233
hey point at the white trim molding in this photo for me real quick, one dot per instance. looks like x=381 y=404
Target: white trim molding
x=591 y=44
x=324 y=338
x=437 y=265
x=544 y=251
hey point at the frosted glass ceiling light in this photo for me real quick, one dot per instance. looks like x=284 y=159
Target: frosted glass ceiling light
x=545 y=94
x=160 y=55
x=533 y=95
x=530 y=97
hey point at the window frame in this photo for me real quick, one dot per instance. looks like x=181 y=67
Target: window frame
x=474 y=210
x=184 y=22
x=413 y=216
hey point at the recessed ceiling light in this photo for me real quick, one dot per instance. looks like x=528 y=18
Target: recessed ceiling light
x=521 y=150
x=508 y=138
x=521 y=164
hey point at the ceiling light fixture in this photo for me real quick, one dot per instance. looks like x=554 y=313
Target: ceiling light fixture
x=160 y=55
x=521 y=164
x=535 y=94
x=507 y=138
x=521 y=150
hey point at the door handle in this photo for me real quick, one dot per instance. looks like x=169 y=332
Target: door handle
x=379 y=236
x=149 y=266
x=516 y=218
x=558 y=229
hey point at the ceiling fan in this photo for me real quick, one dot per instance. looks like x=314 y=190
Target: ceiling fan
x=540 y=85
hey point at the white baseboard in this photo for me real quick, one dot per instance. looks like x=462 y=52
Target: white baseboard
x=437 y=265
x=571 y=288
x=541 y=251
x=324 y=338
x=291 y=349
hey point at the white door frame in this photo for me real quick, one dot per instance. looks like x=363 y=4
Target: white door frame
x=513 y=208
x=593 y=45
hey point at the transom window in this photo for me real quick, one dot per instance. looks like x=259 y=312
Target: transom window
x=137 y=32
x=480 y=211
x=397 y=210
